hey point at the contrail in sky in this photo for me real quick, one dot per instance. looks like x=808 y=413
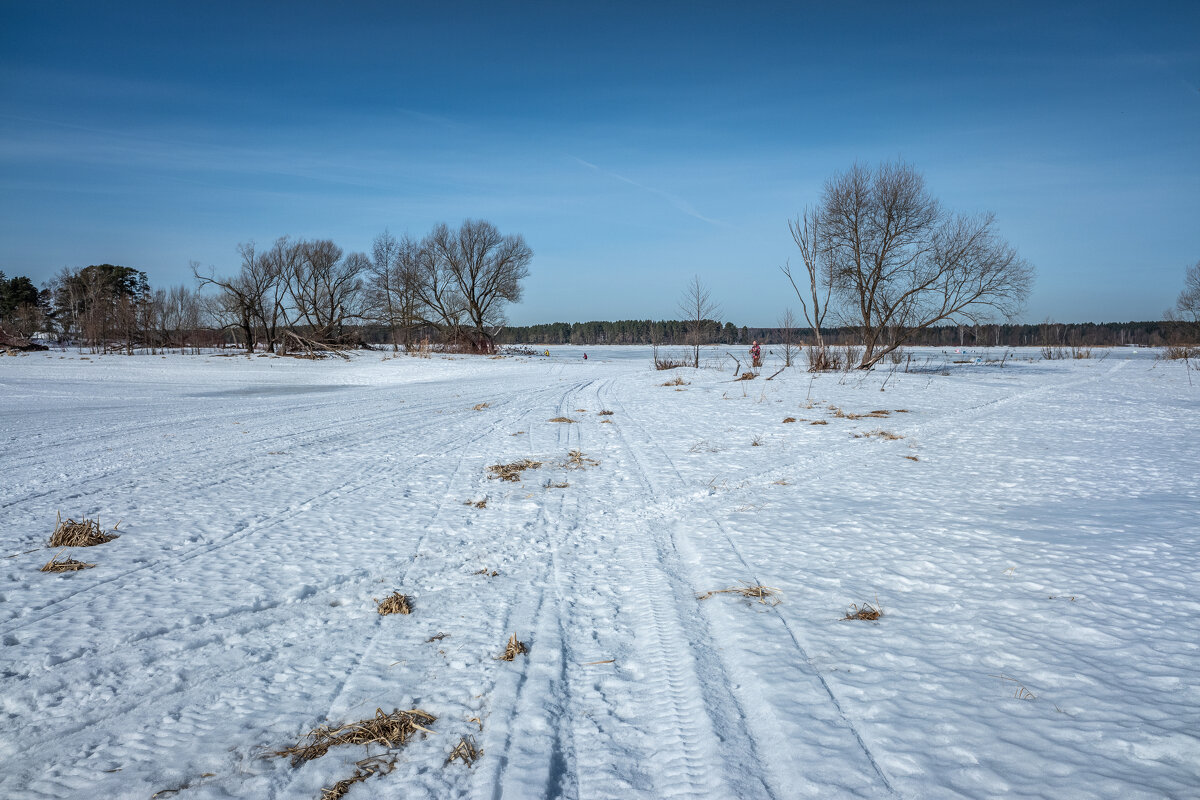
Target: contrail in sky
x=674 y=200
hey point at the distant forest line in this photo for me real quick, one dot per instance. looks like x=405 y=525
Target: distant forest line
x=675 y=333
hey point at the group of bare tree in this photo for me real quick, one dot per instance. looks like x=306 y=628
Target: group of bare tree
x=110 y=308
x=453 y=283
x=881 y=254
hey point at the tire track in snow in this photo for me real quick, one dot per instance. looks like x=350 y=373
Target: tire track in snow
x=540 y=692
x=783 y=779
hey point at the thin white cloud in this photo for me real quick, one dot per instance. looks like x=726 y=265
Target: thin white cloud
x=674 y=200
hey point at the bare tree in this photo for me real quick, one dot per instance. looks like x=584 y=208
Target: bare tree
x=787 y=332
x=899 y=263
x=817 y=257
x=325 y=288
x=381 y=284
x=241 y=301
x=477 y=270
x=698 y=310
x=273 y=270
x=1188 y=304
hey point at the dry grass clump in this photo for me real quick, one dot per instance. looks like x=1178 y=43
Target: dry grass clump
x=605 y=413
x=392 y=730
x=820 y=422
x=68 y=564
x=477 y=503
x=562 y=419
x=375 y=765
x=757 y=441
x=786 y=420
x=746 y=376
x=751 y=590
x=881 y=434
x=677 y=381
x=559 y=485
x=578 y=460
x=514 y=648
x=81 y=534
x=512 y=472
x=466 y=751
x=396 y=603
x=606 y=422
x=485 y=571
x=480 y=406
x=912 y=458
x=866 y=611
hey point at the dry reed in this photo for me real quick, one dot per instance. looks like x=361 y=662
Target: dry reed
x=753 y=591
x=579 y=460
x=865 y=612
x=514 y=648
x=68 y=564
x=512 y=472
x=466 y=751
x=81 y=534
x=375 y=765
x=396 y=603
x=392 y=730
x=562 y=419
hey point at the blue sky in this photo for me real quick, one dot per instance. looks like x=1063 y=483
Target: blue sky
x=633 y=148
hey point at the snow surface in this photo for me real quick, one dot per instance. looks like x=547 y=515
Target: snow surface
x=1042 y=542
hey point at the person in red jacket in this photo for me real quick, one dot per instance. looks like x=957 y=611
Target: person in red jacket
x=755 y=354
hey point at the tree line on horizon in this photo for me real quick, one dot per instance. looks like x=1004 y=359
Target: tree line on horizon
x=882 y=266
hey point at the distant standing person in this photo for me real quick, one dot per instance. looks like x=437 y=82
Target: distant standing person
x=585 y=356
x=547 y=352
x=755 y=354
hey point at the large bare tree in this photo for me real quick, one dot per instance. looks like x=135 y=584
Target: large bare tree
x=698 y=309
x=897 y=262
x=325 y=289
x=477 y=270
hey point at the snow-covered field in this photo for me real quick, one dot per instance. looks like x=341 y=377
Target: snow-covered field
x=1033 y=537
